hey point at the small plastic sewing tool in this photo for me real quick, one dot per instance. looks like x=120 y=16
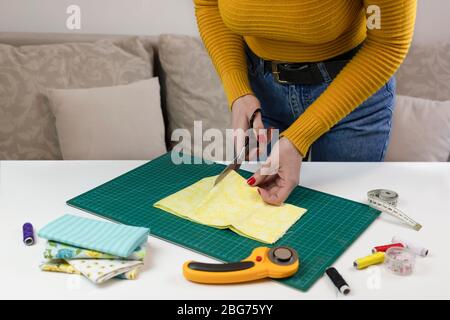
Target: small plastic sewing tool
x=241 y=156
x=277 y=262
x=400 y=261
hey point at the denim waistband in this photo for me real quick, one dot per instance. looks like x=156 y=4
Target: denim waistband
x=327 y=69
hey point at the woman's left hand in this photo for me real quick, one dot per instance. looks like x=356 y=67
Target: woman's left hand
x=279 y=174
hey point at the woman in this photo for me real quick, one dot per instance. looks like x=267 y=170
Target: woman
x=316 y=71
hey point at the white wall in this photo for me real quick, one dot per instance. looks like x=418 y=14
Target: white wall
x=163 y=16
x=433 y=21
x=144 y=17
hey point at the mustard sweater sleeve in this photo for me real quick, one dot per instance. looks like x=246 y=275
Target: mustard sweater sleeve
x=381 y=55
x=225 y=48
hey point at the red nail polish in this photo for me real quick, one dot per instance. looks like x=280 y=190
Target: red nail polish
x=251 y=181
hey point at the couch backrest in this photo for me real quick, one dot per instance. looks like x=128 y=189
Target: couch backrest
x=427 y=63
x=424 y=73
x=32 y=38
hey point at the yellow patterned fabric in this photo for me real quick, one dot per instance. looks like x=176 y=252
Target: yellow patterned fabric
x=62 y=266
x=232 y=204
x=58 y=266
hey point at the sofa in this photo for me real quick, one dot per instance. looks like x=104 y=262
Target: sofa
x=40 y=73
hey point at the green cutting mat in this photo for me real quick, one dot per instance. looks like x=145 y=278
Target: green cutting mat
x=320 y=236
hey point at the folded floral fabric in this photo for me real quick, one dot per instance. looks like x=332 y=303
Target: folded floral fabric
x=232 y=204
x=58 y=265
x=101 y=270
x=55 y=250
x=111 y=238
x=63 y=266
x=96 y=266
x=130 y=275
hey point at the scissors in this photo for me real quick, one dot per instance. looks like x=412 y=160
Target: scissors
x=243 y=154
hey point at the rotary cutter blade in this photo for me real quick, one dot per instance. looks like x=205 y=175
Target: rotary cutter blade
x=277 y=262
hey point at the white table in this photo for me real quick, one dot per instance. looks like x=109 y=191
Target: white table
x=36 y=191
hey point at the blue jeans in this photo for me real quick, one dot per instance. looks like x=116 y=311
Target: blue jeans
x=363 y=135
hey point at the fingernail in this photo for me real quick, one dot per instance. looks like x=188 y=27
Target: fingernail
x=251 y=181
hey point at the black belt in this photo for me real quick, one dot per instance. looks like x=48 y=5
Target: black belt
x=308 y=73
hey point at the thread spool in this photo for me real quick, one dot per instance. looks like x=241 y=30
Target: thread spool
x=387 y=246
x=367 y=261
x=338 y=281
x=413 y=247
x=28 y=234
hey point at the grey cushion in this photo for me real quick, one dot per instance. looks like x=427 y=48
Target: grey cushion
x=425 y=73
x=193 y=89
x=27 y=129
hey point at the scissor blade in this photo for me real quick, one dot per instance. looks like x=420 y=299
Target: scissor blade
x=235 y=165
x=228 y=169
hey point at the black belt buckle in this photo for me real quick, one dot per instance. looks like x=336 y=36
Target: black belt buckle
x=276 y=71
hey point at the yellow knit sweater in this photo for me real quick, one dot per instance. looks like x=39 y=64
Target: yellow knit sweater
x=308 y=31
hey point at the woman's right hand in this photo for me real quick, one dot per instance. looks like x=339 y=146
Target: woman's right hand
x=241 y=112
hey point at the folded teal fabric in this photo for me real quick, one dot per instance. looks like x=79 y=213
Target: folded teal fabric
x=106 y=237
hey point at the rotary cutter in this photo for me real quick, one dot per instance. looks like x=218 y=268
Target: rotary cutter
x=277 y=262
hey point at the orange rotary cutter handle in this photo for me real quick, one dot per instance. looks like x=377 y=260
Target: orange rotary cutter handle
x=277 y=262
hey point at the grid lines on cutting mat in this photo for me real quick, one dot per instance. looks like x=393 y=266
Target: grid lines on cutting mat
x=329 y=227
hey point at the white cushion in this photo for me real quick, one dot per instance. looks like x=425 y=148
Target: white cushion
x=110 y=123
x=421 y=130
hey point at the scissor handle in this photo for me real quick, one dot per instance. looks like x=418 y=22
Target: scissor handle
x=253 y=116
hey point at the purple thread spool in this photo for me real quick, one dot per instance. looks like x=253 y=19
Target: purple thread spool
x=28 y=234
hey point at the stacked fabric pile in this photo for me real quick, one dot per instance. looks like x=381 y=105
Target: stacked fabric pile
x=95 y=249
